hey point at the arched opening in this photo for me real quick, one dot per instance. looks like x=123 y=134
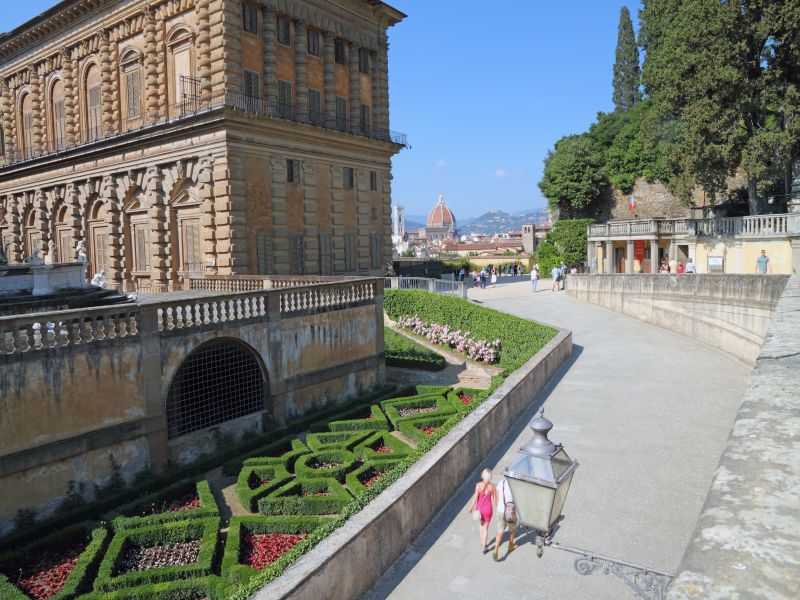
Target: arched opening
x=131 y=64
x=94 y=103
x=26 y=125
x=98 y=237
x=33 y=236
x=181 y=67
x=63 y=234
x=58 y=118
x=219 y=381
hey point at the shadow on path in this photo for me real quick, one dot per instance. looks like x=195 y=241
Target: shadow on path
x=458 y=502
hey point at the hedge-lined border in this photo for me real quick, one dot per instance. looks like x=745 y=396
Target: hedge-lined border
x=281 y=502
x=452 y=397
x=402 y=351
x=78 y=580
x=443 y=407
x=206 y=530
x=212 y=586
x=412 y=427
x=345 y=458
x=249 y=497
x=208 y=506
x=353 y=478
x=342 y=440
x=287 y=459
x=408 y=361
x=379 y=422
x=399 y=449
x=238 y=573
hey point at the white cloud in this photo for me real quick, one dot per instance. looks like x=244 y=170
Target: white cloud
x=441 y=163
x=501 y=173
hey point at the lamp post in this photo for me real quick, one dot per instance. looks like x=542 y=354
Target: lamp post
x=539 y=478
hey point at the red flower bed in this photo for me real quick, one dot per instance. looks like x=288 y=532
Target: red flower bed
x=381 y=448
x=188 y=502
x=369 y=478
x=259 y=550
x=430 y=429
x=367 y=416
x=256 y=482
x=138 y=558
x=465 y=399
x=48 y=574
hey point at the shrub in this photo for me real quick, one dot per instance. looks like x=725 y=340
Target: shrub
x=414 y=428
x=362 y=479
x=331 y=462
x=438 y=390
x=321 y=496
x=355 y=419
x=382 y=446
x=460 y=341
x=232 y=567
x=342 y=440
x=402 y=351
x=433 y=406
x=205 y=530
x=274 y=477
x=519 y=338
x=281 y=456
x=77 y=581
x=470 y=396
x=211 y=587
x=155 y=508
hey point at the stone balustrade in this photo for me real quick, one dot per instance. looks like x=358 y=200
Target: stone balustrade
x=755 y=226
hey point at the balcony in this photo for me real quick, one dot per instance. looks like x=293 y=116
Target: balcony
x=755 y=226
x=192 y=106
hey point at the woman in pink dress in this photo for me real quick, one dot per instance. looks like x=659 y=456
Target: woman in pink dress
x=483 y=500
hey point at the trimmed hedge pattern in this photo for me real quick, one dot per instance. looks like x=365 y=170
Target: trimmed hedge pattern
x=342 y=461
x=413 y=427
x=354 y=478
x=350 y=421
x=289 y=499
x=342 y=440
x=440 y=405
x=366 y=449
x=276 y=475
x=123 y=519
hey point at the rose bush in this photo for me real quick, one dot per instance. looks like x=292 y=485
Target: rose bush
x=462 y=341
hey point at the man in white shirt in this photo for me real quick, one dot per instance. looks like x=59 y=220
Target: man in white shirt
x=505 y=504
x=690 y=268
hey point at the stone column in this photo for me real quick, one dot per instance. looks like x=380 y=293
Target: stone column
x=301 y=69
x=69 y=97
x=205 y=185
x=383 y=75
x=203 y=46
x=15 y=228
x=654 y=256
x=114 y=266
x=161 y=67
x=269 y=41
x=329 y=70
x=337 y=217
x=355 y=94
x=160 y=262
x=598 y=251
x=609 y=256
x=310 y=219
x=151 y=66
x=629 y=257
x=36 y=109
x=41 y=221
x=6 y=108
x=73 y=202
x=106 y=85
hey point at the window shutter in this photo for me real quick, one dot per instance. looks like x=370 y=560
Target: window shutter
x=133 y=93
x=315 y=105
x=263 y=253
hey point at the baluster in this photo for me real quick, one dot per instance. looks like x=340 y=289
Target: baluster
x=215 y=312
x=133 y=327
x=6 y=342
x=88 y=330
x=24 y=337
x=247 y=313
x=99 y=328
x=169 y=318
x=49 y=340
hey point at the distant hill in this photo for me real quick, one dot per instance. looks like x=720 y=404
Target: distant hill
x=498 y=221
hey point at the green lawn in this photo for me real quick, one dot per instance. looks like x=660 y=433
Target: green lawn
x=404 y=352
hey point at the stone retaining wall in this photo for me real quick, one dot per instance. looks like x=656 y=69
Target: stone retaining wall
x=747 y=540
x=348 y=562
x=730 y=312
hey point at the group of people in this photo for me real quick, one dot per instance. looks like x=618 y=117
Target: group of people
x=490 y=273
x=665 y=268
x=489 y=501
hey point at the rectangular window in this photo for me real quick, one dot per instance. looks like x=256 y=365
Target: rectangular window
x=251 y=84
x=313 y=42
x=325 y=254
x=315 y=106
x=373 y=181
x=363 y=60
x=365 y=124
x=191 y=247
x=263 y=253
x=298 y=254
x=339 y=54
x=341 y=113
x=249 y=17
x=349 y=253
x=373 y=213
x=58 y=125
x=285 y=108
x=348 y=177
x=284 y=31
x=141 y=247
x=133 y=93
x=375 y=253
x=292 y=170
x=27 y=126
x=94 y=113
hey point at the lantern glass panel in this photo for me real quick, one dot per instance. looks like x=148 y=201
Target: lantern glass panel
x=533 y=503
x=533 y=466
x=560 y=497
x=561 y=463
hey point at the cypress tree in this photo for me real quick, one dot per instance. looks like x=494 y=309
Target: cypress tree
x=626 y=66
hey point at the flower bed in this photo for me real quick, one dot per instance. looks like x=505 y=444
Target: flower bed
x=422 y=428
x=404 y=352
x=198 y=588
x=256 y=543
x=255 y=482
x=57 y=567
x=115 y=570
x=284 y=457
x=382 y=447
x=414 y=408
x=460 y=341
x=462 y=398
x=331 y=462
x=183 y=500
x=341 y=440
x=360 y=418
x=305 y=497
x=367 y=475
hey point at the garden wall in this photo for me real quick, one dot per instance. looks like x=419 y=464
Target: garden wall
x=351 y=559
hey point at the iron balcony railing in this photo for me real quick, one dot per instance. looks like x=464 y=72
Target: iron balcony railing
x=194 y=105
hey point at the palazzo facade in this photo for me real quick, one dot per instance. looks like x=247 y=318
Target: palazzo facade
x=182 y=138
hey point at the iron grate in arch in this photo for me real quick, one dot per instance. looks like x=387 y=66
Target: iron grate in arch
x=216 y=383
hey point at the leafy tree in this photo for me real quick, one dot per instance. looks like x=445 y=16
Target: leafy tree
x=627 y=78
x=724 y=78
x=573 y=175
x=566 y=242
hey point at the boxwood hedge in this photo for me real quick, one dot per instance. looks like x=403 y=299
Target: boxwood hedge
x=402 y=351
x=438 y=406
x=413 y=427
x=149 y=509
x=307 y=466
x=355 y=479
x=210 y=587
x=281 y=456
x=398 y=449
x=355 y=419
x=324 y=496
x=343 y=440
x=276 y=475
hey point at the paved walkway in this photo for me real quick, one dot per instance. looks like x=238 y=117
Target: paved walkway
x=646 y=413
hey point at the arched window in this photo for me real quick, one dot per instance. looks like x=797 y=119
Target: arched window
x=94 y=103
x=58 y=118
x=219 y=381
x=131 y=63
x=33 y=237
x=26 y=124
x=98 y=236
x=181 y=62
x=63 y=235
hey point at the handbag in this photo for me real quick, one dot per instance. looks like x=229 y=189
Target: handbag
x=476 y=515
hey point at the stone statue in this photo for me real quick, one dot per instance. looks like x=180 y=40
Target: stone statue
x=80 y=252
x=51 y=251
x=99 y=279
x=35 y=258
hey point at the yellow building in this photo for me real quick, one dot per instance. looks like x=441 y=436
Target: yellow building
x=181 y=138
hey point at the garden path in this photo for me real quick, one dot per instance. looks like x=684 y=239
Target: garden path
x=646 y=413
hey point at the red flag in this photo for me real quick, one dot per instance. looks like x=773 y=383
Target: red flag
x=631 y=203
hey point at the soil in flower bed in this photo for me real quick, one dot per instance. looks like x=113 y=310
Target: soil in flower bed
x=367 y=416
x=137 y=558
x=188 y=501
x=323 y=464
x=417 y=410
x=259 y=550
x=369 y=478
x=381 y=448
x=48 y=574
x=465 y=399
x=256 y=482
x=430 y=429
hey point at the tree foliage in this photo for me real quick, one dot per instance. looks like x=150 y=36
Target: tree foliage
x=566 y=242
x=627 y=78
x=573 y=175
x=726 y=98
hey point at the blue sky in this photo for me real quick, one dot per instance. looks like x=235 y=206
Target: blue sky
x=482 y=94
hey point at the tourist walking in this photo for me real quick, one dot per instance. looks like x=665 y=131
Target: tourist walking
x=534 y=278
x=494 y=277
x=556 y=275
x=690 y=268
x=681 y=268
x=483 y=500
x=461 y=274
x=506 y=518
x=483 y=278
x=762 y=264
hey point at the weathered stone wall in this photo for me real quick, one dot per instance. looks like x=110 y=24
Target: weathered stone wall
x=746 y=544
x=729 y=312
x=652 y=201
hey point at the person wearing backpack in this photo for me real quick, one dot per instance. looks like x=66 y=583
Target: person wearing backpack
x=506 y=518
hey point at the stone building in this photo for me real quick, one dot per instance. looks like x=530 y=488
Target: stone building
x=183 y=138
